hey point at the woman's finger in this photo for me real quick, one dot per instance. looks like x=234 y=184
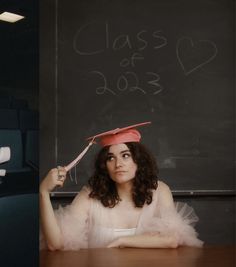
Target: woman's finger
x=61 y=172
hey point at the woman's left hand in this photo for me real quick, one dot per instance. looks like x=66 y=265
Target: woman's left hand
x=117 y=243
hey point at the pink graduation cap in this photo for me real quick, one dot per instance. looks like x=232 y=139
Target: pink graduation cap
x=113 y=137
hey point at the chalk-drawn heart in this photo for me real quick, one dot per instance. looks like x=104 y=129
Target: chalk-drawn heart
x=201 y=46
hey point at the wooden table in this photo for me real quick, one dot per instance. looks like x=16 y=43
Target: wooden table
x=132 y=257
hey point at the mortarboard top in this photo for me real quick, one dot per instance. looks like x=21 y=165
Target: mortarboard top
x=112 y=137
x=119 y=135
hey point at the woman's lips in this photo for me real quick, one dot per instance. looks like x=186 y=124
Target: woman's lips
x=120 y=172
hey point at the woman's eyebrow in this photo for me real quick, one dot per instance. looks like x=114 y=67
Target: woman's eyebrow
x=124 y=151
x=121 y=152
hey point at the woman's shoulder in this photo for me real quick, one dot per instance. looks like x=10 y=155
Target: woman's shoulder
x=83 y=195
x=162 y=187
x=85 y=189
x=163 y=192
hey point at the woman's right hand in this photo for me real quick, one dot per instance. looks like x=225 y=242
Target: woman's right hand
x=55 y=177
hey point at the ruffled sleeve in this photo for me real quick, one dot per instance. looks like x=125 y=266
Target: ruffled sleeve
x=166 y=218
x=73 y=221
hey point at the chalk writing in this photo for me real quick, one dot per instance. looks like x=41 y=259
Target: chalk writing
x=155 y=82
x=119 y=42
x=120 y=86
x=128 y=81
x=136 y=83
x=190 y=56
x=124 y=41
x=145 y=43
x=77 y=37
x=102 y=89
x=161 y=39
x=126 y=62
x=187 y=41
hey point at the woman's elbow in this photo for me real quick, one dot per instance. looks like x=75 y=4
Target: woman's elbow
x=173 y=242
x=54 y=247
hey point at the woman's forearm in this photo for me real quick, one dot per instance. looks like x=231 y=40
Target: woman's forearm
x=50 y=227
x=149 y=241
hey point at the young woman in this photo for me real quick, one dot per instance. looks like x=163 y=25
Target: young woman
x=123 y=205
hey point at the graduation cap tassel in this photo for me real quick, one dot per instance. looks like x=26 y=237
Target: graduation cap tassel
x=80 y=156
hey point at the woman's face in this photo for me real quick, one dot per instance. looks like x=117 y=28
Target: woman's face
x=120 y=164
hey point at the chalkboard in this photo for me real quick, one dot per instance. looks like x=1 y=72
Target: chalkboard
x=108 y=64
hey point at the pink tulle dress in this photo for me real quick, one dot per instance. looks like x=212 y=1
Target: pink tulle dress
x=86 y=223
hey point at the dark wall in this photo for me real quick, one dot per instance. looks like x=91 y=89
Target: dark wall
x=19 y=53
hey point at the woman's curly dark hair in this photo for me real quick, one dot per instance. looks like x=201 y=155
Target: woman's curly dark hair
x=146 y=178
